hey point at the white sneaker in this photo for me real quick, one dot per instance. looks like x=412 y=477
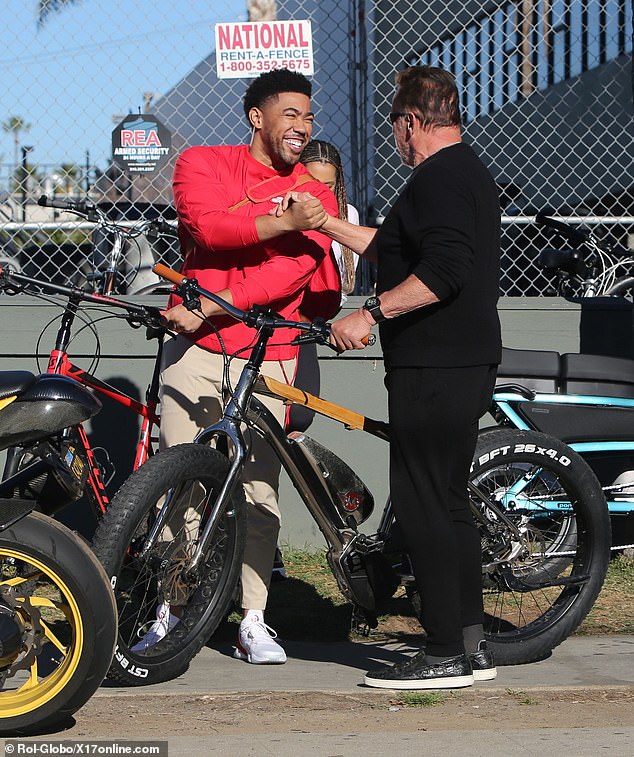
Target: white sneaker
x=256 y=643
x=163 y=624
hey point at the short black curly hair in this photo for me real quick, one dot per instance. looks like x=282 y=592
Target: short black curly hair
x=271 y=84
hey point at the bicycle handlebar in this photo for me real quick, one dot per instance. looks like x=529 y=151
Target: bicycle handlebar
x=165 y=272
x=143 y=315
x=154 y=227
x=576 y=236
x=82 y=207
x=256 y=317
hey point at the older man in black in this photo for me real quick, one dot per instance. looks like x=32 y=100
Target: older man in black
x=437 y=289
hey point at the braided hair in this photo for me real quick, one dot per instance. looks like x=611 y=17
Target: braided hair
x=317 y=151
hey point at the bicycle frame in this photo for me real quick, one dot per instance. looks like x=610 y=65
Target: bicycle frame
x=340 y=532
x=60 y=364
x=122 y=232
x=508 y=402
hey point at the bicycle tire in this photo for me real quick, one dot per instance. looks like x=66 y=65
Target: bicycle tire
x=558 y=501
x=141 y=582
x=523 y=626
x=52 y=580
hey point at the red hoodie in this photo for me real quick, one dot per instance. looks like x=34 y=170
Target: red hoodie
x=223 y=250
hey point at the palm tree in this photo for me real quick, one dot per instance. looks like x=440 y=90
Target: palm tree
x=47 y=7
x=15 y=125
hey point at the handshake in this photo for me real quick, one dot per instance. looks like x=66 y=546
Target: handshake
x=301 y=211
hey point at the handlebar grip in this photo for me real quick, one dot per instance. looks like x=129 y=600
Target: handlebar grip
x=168 y=273
x=576 y=236
x=77 y=206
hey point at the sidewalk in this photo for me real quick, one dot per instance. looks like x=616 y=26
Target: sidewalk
x=579 y=662
x=578 y=665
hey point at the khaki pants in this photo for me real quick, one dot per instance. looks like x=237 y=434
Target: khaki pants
x=191 y=399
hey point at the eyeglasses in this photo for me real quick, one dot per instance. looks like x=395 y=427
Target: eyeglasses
x=395 y=115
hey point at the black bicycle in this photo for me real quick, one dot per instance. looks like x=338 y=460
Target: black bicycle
x=540 y=510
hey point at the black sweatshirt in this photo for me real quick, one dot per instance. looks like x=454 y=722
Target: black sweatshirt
x=445 y=229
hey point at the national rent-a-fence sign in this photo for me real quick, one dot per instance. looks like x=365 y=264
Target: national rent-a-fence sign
x=251 y=48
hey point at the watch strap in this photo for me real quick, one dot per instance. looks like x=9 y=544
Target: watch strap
x=373 y=306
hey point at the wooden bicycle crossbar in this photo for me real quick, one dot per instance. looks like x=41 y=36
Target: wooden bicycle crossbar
x=293 y=395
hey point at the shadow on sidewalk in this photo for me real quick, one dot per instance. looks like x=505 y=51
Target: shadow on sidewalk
x=313 y=627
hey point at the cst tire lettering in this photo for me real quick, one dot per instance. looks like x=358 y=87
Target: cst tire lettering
x=118 y=544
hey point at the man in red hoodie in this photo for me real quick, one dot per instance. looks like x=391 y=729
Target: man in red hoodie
x=235 y=248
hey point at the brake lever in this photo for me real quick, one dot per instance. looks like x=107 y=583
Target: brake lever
x=313 y=339
x=318 y=338
x=150 y=318
x=10 y=287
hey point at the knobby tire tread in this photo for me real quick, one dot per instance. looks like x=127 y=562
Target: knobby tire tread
x=133 y=502
x=581 y=479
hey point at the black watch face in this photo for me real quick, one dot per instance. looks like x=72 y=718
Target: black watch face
x=372 y=302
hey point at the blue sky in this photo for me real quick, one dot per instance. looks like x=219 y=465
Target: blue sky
x=94 y=60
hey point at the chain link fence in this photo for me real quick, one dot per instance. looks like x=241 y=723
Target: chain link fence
x=547 y=100
x=546 y=91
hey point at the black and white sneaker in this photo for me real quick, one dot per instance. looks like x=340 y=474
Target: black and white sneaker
x=418 y=673
x=483 y=663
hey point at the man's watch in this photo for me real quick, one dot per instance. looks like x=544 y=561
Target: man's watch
x=373 y=306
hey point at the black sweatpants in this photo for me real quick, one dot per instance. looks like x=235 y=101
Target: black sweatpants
x=433 y=414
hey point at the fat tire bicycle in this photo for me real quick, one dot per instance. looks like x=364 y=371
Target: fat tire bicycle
x=540 y=510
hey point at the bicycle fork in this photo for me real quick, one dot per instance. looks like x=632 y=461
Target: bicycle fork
x=228 y=427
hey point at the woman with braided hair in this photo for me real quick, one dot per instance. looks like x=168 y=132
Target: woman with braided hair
x=324 y=164
x=323 y=161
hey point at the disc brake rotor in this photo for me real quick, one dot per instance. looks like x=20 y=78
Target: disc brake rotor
x=175 y=588
x=33 y=631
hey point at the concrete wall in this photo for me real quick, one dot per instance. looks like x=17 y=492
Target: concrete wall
x=354 y=380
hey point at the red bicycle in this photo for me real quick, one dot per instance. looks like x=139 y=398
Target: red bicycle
x=74 y=442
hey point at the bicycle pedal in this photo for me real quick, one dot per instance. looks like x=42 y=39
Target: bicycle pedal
x=365 y=545
x=362 y=621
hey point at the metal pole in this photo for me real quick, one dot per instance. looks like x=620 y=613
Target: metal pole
x=352 y=91
x=25 y=152
x=358 y=80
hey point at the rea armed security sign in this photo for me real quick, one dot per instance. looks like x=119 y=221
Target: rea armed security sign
x=251 y=48
x=140 y=143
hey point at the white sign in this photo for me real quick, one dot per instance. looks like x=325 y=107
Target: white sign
x=249 y=49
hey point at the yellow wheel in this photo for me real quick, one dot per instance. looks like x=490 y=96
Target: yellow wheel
x=57 y=624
